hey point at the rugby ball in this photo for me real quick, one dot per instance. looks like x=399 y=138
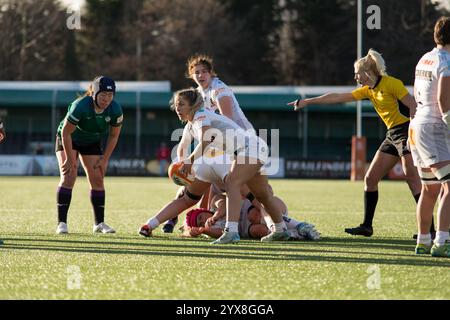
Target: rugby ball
x=177 y=177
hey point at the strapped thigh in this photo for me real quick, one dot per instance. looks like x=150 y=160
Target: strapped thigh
x=428 y=178
x=443 y=174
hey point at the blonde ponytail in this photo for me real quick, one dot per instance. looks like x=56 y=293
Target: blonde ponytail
x=372 y=62
x=379 y=61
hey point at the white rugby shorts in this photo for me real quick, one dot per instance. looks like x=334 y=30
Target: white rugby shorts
x=429 y=143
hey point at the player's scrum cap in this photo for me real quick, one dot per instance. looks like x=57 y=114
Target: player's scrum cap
x=191 y=216
x=103 y=83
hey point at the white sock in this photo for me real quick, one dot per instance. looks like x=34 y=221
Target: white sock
x=441 y=236
x=266 y=219
x=290 y=222
x=424 y=238
x=231 y=226
x=280 y=227
x=153 y=223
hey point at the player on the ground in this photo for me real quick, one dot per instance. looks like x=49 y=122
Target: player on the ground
x=254 y=222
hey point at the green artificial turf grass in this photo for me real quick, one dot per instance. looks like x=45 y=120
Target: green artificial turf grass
x=37 y=264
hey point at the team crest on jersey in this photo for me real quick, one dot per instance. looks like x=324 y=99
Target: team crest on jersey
x=108 y=119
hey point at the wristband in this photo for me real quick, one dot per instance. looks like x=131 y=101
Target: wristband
x=1 y=125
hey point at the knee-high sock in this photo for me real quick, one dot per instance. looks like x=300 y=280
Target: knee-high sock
x=370 y=203
x=63 y=198
x=98 y=205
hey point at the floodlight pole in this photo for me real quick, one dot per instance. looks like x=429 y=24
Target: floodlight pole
x=138 y=123
x=358 y=163
x=359 y=54
x=54 y=119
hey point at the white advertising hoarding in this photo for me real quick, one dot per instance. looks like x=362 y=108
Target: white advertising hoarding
x=28 y=166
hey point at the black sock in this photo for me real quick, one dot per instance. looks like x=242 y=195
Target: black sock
x=172 y=221
x=98 y=204
x=63 y=198
x=370 y=203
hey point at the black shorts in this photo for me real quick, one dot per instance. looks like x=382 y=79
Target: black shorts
x=396 y=142
x=94 y=149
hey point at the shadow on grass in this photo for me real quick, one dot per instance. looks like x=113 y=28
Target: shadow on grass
x=243 y=248
x=233 y=252
x=390 y=243
x=245 y=244
x=354 y=244
x=367 y=243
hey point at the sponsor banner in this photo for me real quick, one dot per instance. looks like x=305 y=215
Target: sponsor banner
x=28 y=166
x=48 y=166
x=322 y=169
x=128 y=167
x=42 y=165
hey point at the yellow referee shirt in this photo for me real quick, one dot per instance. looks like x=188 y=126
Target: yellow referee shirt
x=385 y=98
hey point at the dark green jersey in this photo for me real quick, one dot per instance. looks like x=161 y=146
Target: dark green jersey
x=91 y=126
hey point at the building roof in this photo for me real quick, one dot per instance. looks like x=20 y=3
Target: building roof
x=156 y=95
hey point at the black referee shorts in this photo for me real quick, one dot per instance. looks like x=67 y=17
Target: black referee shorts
x=396 y=141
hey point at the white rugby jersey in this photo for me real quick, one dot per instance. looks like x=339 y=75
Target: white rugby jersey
x=232 y=137
x=218 y=89
x=431 y=67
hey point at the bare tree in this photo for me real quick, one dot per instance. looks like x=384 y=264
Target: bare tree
x=157 y=37
x=33 y=39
